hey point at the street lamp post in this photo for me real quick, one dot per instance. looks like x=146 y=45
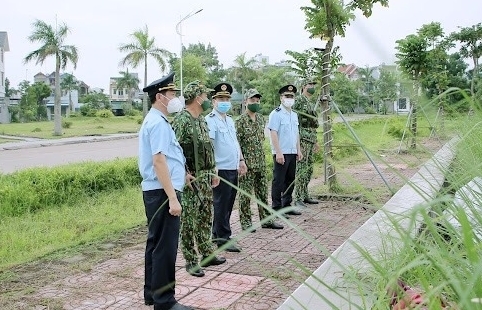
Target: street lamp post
x=179 y=32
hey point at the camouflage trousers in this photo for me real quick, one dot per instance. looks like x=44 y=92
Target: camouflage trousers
x=197 y=219
x=304 y=170
x=253 y=181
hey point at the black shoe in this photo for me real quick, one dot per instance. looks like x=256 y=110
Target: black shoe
x=293 y=212
x=213 y=261
x=194 y=270
x=300 y=204
x=230 y=248
x=251 y=231
x=178 y=306
x=311 y=201
x=148 y=302
x=272 y=225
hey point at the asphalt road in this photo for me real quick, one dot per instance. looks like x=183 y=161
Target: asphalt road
x=54 y=155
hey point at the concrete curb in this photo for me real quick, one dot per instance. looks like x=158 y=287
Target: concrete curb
x=422 y=187
x=63 y=141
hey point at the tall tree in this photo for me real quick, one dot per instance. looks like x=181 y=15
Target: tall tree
x=9 y=91
x=209 y=60
x=325 y=20
x=192 y=68
x=32 y=104
x=268 y=83
x=242 y=72
x=345 y=92
x=138 y=51
x=69 y=83
x=413 y=60
x=367 y=82
x=304 y=64
x=385 y=87
x=130 y=83
x=470 y=39
x=52 y=44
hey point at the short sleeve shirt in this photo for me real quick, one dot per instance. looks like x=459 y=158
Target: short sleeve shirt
x=226 y=147
x=285 y=123
x=157 y=137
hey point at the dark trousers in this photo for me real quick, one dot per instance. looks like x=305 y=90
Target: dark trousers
x=161 y=249
x=283 y=181
x=223 y=199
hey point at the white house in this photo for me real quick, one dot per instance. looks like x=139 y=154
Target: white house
x=4 y=114
x=3 y=48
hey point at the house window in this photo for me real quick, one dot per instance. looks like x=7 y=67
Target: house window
x=2 y=78
x=114 y=91
x=1 y=55
x=121 y=92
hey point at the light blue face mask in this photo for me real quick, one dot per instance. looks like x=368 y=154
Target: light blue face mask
x=224 y=106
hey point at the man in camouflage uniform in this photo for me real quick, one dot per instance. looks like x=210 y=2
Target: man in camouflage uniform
x=250 y=133
x=197 y=203
x=308 y=120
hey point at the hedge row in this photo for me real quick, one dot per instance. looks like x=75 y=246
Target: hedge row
x=40 y=188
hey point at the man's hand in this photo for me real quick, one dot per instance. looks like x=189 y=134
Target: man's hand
x=243 y=169
x=280 y=159
x=189 y=180
x=175 y=207
x=299 y=156
x=316 y=147
x=215 y=181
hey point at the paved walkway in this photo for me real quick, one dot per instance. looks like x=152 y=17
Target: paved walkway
x=271 y=266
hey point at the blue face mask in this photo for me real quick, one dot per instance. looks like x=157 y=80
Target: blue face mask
x=224 y=106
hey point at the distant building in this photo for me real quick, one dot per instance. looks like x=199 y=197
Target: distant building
x=116 y=94
x=4 y=102
x=3 y=48
x=350 y=71
x=260 y=61
x=283 y=64
x=65 y=98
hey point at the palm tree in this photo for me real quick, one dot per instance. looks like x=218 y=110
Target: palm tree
x=243 y=72
x=52 y=44
x=137 y=51
x=129 y=82
x=69 y=83
x=368 y=82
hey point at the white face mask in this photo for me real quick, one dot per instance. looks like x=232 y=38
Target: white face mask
x=288 y=102
x=175 y=104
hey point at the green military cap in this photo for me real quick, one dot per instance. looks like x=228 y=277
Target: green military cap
x=307 y=81
x=194 y=89
x=252 y=92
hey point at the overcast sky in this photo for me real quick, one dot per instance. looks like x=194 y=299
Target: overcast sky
x=269 y=27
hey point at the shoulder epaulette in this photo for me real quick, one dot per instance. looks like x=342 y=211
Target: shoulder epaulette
x=211 y=114
x=278 y=109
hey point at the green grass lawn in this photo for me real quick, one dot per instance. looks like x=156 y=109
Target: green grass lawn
x=3 y=140
x=81 y=126
x=30 y=236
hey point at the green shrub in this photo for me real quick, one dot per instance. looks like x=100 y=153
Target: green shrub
x=396 y=130
x=39 y=188
x=104 y=113
x=66 y=124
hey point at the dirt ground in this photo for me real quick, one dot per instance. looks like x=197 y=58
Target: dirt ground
x=54 y=283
